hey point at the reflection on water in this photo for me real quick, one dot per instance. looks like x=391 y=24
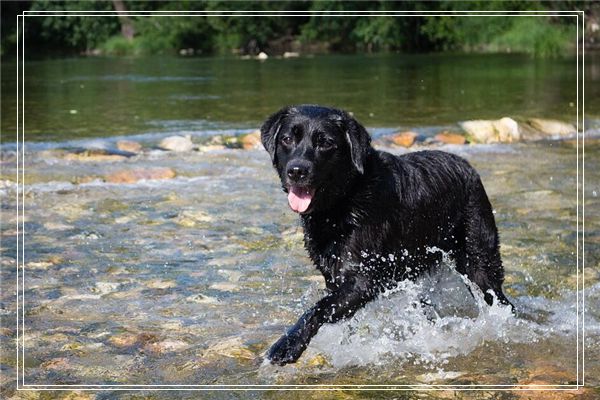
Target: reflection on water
x=189 y=280
x=92 y=97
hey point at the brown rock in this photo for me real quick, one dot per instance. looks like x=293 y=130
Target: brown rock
x=166 y=346
x=251 y=140
x=134 y=175
x=404 y=139
x=129 y=339
x=450 y=138
x=130 y=146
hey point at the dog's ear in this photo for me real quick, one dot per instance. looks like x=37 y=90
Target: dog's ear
x=359 y=141
x=269 y=131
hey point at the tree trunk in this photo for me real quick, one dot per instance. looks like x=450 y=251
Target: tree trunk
x=127 y=28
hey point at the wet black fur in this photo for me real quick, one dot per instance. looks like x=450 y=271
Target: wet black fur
x=369 y=205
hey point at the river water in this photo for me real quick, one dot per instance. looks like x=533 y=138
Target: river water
x=189 y=280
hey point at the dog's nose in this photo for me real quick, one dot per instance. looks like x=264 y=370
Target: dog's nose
x=297 y=171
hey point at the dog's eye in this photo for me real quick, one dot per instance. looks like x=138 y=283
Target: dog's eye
x=324 y=144
x=287 y=140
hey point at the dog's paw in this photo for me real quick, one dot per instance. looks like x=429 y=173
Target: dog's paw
x=286 y=350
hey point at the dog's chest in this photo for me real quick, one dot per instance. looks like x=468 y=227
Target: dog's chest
x=327 y=247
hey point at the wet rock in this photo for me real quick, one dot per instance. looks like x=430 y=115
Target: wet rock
x=233 y=348
x=166 y=346
x=128 y=339
x=504 y=130
x=93 y=155
x=251 y=140
x=404 y=139
x=129 y=146
x=551 y=127
x=135 y=175
x=177 y=143
x=291 y=54
x=262 y=56
x=450 y=138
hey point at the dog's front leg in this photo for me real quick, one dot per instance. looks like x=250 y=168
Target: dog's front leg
x=340 y=304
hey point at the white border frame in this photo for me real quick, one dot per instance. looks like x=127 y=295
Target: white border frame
x=20 y=280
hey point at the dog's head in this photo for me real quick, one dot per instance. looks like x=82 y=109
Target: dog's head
x=317 y=151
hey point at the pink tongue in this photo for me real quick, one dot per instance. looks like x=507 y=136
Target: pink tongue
x=299 y=198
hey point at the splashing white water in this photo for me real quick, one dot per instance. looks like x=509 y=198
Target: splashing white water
x=398 y=326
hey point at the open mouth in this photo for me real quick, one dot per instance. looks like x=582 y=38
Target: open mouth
x=300 y=198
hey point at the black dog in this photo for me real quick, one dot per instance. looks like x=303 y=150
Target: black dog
x=371 y=218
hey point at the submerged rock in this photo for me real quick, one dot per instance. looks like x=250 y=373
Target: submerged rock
x=233 y=348
x=160 y=284
x=450 y=138
x=135 y=175
x=504 y=130
x=193 y=218
x=128 y=339
x=177 y=143
x=166 y=346
x=129 y=145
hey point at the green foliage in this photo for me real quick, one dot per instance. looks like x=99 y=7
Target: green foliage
x=537 y=36
x=543 y=36
x=78 y=33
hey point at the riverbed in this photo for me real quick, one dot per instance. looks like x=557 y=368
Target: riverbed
x=188 y=280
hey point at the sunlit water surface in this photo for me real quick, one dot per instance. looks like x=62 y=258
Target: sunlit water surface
x=190 y=280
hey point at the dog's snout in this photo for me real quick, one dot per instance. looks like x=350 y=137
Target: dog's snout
x=298 y=170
